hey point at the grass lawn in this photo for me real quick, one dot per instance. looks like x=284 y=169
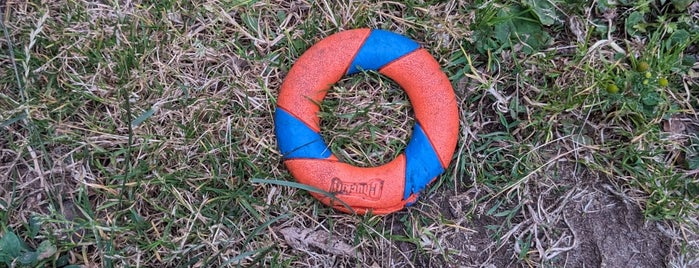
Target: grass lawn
x=140 y=133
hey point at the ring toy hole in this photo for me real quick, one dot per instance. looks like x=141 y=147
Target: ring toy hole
x=367 y=119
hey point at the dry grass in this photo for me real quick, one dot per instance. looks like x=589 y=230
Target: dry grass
x=367 y=123
x=132 y=129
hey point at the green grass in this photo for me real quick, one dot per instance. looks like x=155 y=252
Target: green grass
x=139 y=134
x=368 y=119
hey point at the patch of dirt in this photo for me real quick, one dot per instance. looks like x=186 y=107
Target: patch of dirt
x=458 y=247
x=582 y=221
x=612 y=233
x=476 y=245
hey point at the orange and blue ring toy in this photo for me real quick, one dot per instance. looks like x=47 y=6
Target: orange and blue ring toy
x=392 y=186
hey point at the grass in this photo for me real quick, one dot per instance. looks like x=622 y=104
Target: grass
x=369 y=124
x=141 y=133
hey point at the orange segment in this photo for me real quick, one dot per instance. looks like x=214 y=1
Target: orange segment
x=316 y=71
x=378 y=188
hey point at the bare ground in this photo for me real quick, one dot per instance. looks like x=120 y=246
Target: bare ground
x=584 y=222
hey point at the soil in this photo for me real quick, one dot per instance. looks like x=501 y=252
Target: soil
x=593 y=226
x=614 y=235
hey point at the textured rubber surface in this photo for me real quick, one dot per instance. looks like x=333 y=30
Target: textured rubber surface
x=432 y=98
x=315 y=72
x=392 y=186
x=378 y=188
x=422 y=162
x=296 y=139
x=380 y=48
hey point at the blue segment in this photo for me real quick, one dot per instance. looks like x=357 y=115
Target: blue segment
x=422 y=162
x=296 y=140
x=380 y=48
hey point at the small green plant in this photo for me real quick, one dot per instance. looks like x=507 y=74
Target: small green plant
x=14 y=252
x=637 y=94
x=501 y=27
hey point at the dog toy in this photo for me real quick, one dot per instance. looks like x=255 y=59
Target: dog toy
x=392 y=186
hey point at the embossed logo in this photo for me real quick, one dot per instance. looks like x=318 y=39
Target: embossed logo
x=370 y=190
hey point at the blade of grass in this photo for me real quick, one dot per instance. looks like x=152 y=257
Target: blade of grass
x=144 y=116
x=245 y=255
x=303 y=187
x=10 y=49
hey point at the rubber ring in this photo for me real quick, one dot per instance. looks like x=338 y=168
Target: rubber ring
x=392 y=186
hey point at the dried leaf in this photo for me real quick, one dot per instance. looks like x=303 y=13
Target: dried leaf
x=674 y=125
x=577 y=27
x=305 y=239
